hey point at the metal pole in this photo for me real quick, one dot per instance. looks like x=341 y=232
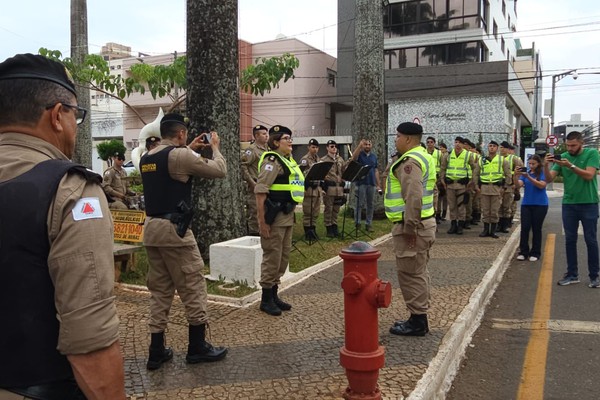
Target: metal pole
x=552 y=105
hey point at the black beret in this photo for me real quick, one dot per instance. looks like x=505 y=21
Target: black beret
x=279 y=130
x=173 y=117
x=468 y=142
x=505 y=144
x=459 y=139
x=259 y=128
x=410 y=128
x=30 y=66
x=430 y=138
x=152 y=139
x=331 y=142
x=119 y=156
x=313 y=142
x=494 y=143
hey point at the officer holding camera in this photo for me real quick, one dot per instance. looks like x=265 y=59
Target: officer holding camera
x=175 y=261
x=279 y=188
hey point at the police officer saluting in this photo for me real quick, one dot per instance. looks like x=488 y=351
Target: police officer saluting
x=175 y=261
x=279 y=188
x=408 y=204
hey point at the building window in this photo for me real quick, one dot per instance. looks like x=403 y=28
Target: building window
x=495 y=30
x=418 y=17
x=452 y=53
x=331 y=76
x=509 y=22
x=504 y=8
x=484 y=14
x=502 y=45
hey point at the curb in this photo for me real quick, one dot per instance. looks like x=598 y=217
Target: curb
x=442 y=369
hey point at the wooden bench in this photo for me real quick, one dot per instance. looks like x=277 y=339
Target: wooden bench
x=128 y=238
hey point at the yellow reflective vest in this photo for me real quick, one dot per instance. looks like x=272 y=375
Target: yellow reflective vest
x=292 y=185
x=458 y=166
x=492 y=171
x=394 y=203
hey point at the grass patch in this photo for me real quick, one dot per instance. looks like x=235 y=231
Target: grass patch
x=310 y=255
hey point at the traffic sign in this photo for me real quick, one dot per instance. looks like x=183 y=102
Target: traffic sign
x=552 y=140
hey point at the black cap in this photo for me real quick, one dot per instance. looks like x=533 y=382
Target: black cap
x=257 y=128
x=30 y=66
x=279 y=130
x=152 y=139
x=505 y=144
x=459 y=139
x=410 y=128
x=173 y=117
x=469 y=143
x=119 y=156
x=313 y=142
x=494 y=142
x=430 y=138
x=331 y=142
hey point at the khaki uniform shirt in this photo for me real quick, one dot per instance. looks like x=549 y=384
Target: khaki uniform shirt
x=250 y=159
x=495 y=190
x=472 y=163
x=80 y=261
x=269 y=171
x=306 y=163
x=114 y=182
x=183 y=164
x=335 y=174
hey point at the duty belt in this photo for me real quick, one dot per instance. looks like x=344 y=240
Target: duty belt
x=422 y=219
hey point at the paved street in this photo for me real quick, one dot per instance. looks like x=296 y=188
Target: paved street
x=296 y=356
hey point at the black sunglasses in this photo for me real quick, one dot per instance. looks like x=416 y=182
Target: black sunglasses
x=80 y=113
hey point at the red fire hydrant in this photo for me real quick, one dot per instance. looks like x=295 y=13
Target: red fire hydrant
x=364 y=293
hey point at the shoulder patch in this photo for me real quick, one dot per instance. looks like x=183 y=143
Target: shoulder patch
x=407 y=169
x=268 y=167
x=271 y=158
x=248 y=152
x=303 y=162
x=87 y=208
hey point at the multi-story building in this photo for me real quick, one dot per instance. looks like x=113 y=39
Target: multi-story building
x=449 y=63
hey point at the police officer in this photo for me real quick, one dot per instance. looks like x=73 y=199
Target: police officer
x=511 y=188
x=312 y=194
x=408 y=204
x=115 y=185
x=494 y=174
x=175 y=261
x=57 y=302
x=152 y=142
x=437 y=157
x=456 y=175
x=250 y=159
x=334 y=189
x=279 y=189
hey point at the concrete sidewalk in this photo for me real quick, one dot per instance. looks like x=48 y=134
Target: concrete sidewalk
x=296 y=356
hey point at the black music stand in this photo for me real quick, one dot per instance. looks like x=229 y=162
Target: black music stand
x=354 y=172
x=316 y=174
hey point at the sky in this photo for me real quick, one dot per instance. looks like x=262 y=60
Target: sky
x=567 y=34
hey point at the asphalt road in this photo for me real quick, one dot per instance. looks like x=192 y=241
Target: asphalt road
x=537 y=340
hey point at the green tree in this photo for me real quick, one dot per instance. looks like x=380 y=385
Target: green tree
x=109 y=148
x=267 y=73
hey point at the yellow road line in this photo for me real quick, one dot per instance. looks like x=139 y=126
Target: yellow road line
x=533 y=374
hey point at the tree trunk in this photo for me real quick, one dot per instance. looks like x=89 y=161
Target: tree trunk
x=213 y=102
x=368 y=116
x=79 y=49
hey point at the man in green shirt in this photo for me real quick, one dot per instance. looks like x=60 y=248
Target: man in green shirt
x=578 y=167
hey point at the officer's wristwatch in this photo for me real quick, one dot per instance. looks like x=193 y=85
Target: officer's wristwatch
x=573 y=166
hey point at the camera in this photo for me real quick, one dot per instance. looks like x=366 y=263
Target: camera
x=557 y=157
x=207 y=137
x=522 y=169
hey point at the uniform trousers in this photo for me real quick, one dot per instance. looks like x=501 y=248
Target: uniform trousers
x=310 y=208
x=411 y=266
x=436 y=197
x=276 y=255
x=118 y=205
x=331 y=211
x=508 y=198
x=456 y=201
x=252 y=216
x=176 y=268
x=6 y=395
x=491 y=199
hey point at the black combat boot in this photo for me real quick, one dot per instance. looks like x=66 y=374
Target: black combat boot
x=416 y=325
x=453 y=227
x=199 y=350
x=503 y=225
x=313 y=233
x=336 y=233
x=486 y=230
x=267 y=304
x=330 y=232
x=459 y=227
x=476 y=218
x=159 y=354
x=466 y=224
x=493 y=228
x=438 y=219
x=283 y=306
x=307 y=233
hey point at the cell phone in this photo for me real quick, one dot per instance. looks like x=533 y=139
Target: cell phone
x=522 y=169
x=207 y=137
x=557 y=157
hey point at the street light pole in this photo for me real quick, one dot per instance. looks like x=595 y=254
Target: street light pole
x=556 y=78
